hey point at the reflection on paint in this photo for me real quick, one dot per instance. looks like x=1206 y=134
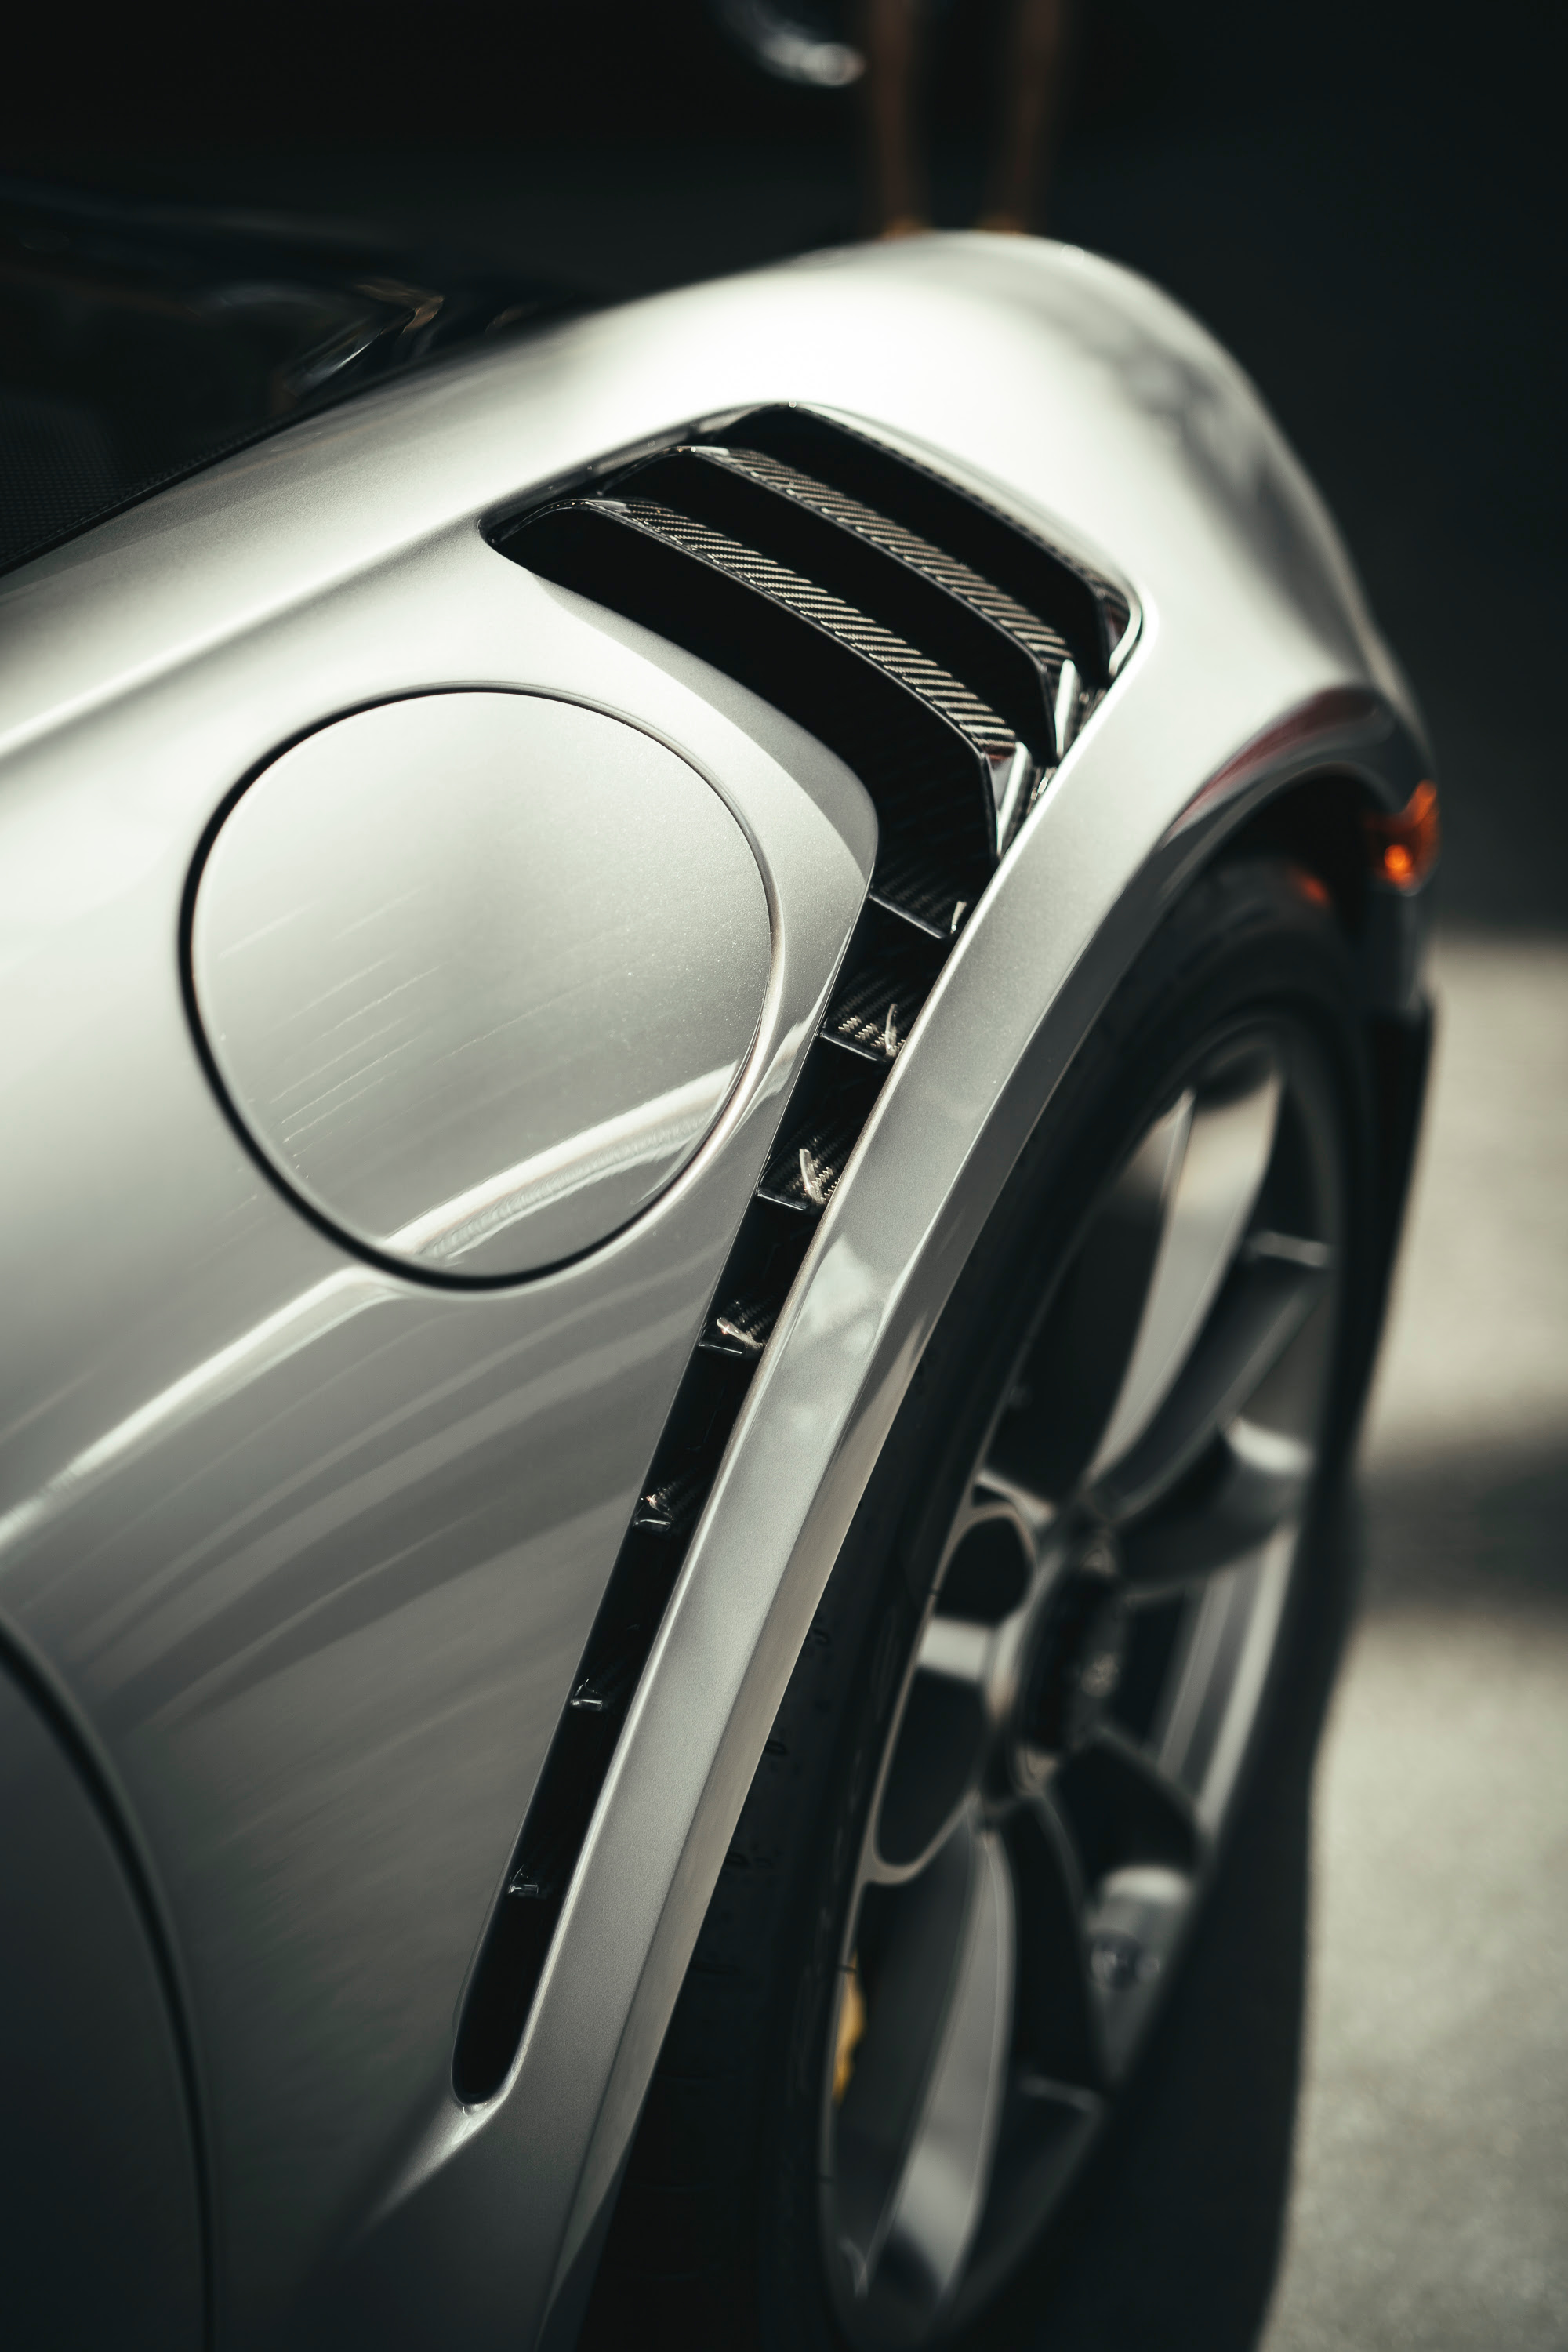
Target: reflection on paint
x=652 y=1133
x=649 y=1133
x=267 y=1344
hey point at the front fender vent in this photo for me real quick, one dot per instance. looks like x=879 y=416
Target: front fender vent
x=949 y=656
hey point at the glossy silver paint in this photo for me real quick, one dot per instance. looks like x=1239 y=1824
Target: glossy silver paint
x=309 y=1549
x=479 y=972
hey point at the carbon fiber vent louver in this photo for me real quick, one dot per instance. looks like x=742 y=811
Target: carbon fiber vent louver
x=948 y=656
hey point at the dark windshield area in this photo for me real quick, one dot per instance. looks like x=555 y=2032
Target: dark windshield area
x=139 y=342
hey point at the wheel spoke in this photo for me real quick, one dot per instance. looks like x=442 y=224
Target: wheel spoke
x=1254 y=1479
x=962 y=1683
x=1058 y=2028
x=1062 y=1852
x=919 y=2126
x=940 y=1752
x=1208 y=1195
x=1047 y=2127
x=1062 y=1399
x=1202 y=1738
x=1137 y=1832
x=1121 y=1805
x=1127 y=1844
x=1263 y=1308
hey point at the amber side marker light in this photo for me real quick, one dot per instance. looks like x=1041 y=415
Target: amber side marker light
x=1402 y=849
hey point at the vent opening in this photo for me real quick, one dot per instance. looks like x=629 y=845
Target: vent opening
x=932 y=784
x=947 y=655
x=1067 y=602
x=892 y=596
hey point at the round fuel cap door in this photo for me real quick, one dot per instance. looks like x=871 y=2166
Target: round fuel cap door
x=479 y=973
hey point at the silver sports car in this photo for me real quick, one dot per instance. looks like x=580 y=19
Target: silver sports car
x=712 y=1025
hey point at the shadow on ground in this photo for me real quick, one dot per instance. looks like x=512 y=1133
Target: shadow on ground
x=1435 y=2123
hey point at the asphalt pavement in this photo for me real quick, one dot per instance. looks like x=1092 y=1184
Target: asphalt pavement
x=1430 y=2198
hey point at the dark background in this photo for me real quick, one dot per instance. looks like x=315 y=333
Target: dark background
x=1364 y=202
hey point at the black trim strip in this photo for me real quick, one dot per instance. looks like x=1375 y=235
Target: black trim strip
x=1062 y=592
x=769 y=509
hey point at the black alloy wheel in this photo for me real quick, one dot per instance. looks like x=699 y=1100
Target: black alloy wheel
x=960 y=1892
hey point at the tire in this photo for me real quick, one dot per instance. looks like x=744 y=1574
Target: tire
x=976 y=1846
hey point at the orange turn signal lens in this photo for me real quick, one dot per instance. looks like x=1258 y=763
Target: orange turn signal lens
x=1402 y=849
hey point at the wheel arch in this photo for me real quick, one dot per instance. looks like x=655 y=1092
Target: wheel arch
x=1320 y=821
x=959 y=1109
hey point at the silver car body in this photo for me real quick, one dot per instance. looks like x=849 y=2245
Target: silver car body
x=306 y=1549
